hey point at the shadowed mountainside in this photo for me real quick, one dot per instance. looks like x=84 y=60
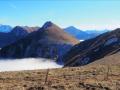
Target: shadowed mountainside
x=93 y=49
x=108 y=60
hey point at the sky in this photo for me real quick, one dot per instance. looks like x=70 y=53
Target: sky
x=83 y=14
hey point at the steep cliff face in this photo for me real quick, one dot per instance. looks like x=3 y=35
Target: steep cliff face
x=50 y=41
x=93 y=49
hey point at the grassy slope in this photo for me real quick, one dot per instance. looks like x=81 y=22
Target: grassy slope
x=94 y=77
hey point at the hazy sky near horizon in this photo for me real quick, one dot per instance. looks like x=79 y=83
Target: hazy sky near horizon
x=84 y=14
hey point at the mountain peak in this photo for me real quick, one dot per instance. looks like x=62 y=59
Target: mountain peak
x=72 y=27
x=19 y=31
x=17 y=27
x=47 y=24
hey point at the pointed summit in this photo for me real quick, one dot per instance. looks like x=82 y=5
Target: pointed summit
x=72 y=27
x=19 y=31
x=55 y=32
x=47 y=25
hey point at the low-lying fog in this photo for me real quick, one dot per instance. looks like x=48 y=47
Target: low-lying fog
x=27 y=64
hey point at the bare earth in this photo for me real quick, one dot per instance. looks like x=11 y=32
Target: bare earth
x=98 y=77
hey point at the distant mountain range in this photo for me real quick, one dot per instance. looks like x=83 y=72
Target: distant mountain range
x=62 y=45
x=94 y=49
x=97 y=32
x=79 y=34
x=83 y=35
x=5 y=28
x=49 y=41
x=9 y=35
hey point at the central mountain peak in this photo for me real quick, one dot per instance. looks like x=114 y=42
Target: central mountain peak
x=47 y=25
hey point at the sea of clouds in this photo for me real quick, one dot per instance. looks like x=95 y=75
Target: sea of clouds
x=27 y=64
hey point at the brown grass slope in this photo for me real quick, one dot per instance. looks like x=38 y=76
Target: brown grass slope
x=98 y=77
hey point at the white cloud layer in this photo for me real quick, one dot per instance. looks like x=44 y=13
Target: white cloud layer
x=27 y=64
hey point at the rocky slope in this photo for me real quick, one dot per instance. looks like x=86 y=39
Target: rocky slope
x=50 y=41
x=93 y=49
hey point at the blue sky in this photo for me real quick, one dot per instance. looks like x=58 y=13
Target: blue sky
x=84 y=14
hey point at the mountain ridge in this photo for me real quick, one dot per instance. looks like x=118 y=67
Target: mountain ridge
x=15 y=34
x=83 y=34
x=93 y=49
x=45 y=42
